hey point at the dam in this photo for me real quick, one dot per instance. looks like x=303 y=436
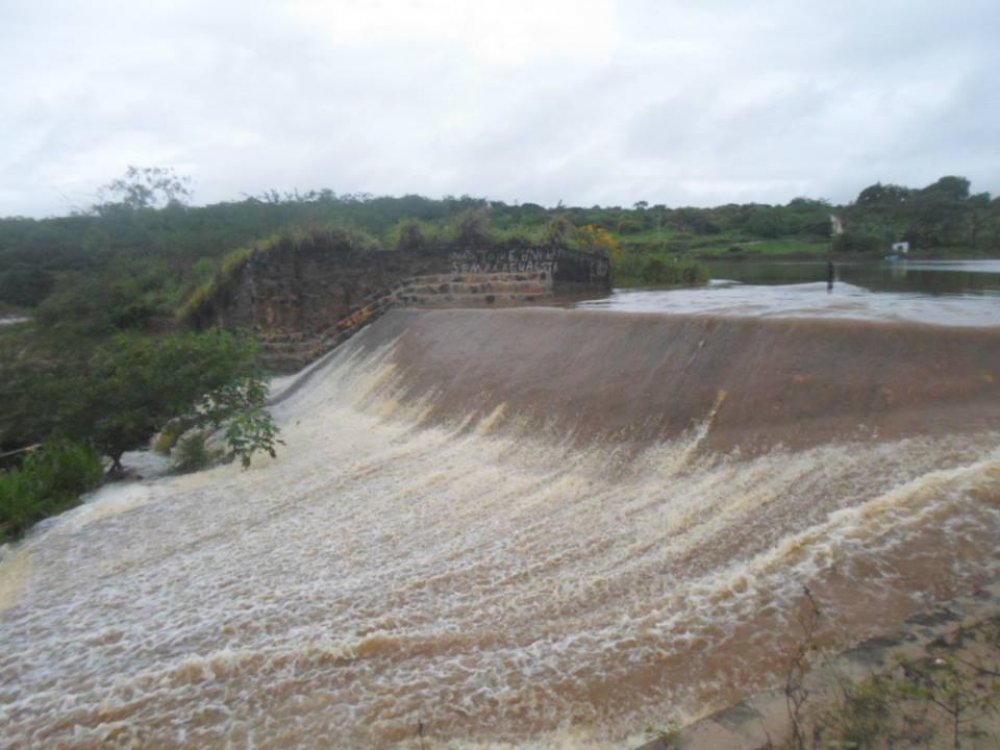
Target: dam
x=516 y=527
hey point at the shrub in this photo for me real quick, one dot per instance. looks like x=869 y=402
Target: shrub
x=25 y=286
x=49 y=481
x=191 y=453
x=519 y=235
x=473 y=228
x=559 y=231
x=239 y=407
x=165 y=440
x=659 y=270
x=850 y=242
x=250 y=431
x=409 y=235
x=865 y=712
x=595 y=239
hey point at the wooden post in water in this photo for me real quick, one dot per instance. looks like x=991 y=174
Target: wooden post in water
x=836 y=228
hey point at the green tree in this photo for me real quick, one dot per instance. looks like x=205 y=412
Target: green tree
x=939 y=210
x=25 y=286
x=884 y=195
x=992 y=222
x=135 y=385
x=955 y=188
x=147 y=187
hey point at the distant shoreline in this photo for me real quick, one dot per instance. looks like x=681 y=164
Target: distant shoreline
x=750 y=257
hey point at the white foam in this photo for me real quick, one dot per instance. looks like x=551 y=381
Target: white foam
x=498 y=586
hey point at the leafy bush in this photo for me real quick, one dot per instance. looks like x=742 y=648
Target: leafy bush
x=191 y=453
x=595 y=239
x=558 y=231
x=658 y=270
x=239 y=407
x=25 y=286
x=250 y=431
x=935 y=695
x=409 y=235
x=49 y=481
x=851 y=242
x=168 y=436
x=473 y=228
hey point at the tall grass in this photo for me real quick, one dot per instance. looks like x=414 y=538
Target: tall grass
x=337 y=238
x=231 y=265
x=49 y=481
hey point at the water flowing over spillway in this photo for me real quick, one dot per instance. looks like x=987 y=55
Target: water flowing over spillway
x=548 y=527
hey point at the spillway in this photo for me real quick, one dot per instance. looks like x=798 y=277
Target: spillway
x=530 y=527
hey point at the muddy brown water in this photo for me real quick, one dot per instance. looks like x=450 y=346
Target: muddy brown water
x=952 y=293
x=537 y=527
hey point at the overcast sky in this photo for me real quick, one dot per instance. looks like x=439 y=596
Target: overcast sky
x=682 y=102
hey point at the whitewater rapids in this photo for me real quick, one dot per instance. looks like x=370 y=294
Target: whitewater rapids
x=534 y=527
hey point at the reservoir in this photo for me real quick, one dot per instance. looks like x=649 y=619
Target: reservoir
x=939 y=292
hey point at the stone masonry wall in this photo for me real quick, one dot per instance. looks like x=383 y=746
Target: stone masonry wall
x=303 y=299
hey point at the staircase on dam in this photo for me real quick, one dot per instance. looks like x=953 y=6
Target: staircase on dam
x=292 y=350
x=304 y=295
x=474 y=289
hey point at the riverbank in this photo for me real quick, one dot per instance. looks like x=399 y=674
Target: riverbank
x=818 y=253
x=933 y=682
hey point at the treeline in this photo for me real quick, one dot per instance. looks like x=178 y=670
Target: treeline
x=941 y=216
x=147 y=250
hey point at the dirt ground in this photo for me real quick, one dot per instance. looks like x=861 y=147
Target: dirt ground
x=933 y=684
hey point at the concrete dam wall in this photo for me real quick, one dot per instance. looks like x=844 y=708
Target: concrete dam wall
x=525 y=527
x=635 y=379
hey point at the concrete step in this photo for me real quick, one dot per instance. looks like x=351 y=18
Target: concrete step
x=477 y=277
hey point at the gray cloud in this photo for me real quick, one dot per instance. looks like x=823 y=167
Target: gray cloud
x=589 y=101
